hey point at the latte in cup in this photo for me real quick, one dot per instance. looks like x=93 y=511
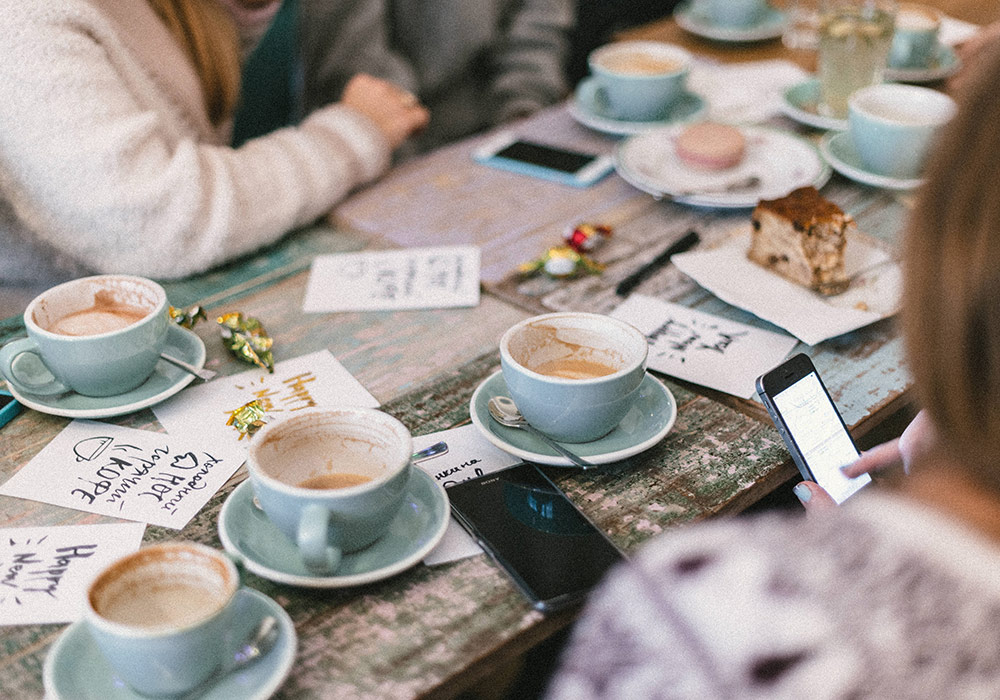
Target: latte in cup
x=639 y=63
x=574 y=368
x=334 y=481
x=105 y=316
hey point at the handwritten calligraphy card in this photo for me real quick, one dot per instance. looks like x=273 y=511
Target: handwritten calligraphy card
x=702 y=348
x=126 y=473
x=414 y=278
x=469 y=455
x=45 y=571
x=316 y=379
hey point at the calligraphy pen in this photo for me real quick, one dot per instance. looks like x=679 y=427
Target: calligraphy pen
x=685 y=242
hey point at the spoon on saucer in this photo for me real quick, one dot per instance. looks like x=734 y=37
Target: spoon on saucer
x=255 y=646
x=203 y=374
x=504 y=412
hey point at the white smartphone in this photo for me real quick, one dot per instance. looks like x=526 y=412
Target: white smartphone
x=569 y=167
x=811 y=426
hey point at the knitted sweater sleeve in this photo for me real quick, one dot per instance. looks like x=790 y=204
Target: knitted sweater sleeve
x=99 y=165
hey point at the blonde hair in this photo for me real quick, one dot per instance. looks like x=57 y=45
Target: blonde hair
x=205 y=31
x=951 y=313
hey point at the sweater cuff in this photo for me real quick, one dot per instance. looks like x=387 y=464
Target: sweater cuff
x=357 y=133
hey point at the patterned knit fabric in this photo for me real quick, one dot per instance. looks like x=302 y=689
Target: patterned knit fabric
x=882 y=599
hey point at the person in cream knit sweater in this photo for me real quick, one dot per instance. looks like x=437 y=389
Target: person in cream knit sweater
x=114 y=152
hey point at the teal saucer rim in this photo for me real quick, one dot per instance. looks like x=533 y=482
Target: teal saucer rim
x=595 y=451
x=792 y=107
x=168 y=378
x=691 y=106
x=832 y=146
x=770 y=26
x=435 y=495
x=948 y=64
x=281 y=658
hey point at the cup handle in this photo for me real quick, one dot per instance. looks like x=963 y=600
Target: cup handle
x=318 y=554
x=10 y=353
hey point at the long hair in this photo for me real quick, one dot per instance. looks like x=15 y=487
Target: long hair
x=951 y=310
x=206 y=32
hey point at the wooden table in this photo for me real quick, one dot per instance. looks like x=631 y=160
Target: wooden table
x=437 y=631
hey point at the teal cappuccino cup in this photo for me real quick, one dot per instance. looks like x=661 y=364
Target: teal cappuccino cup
x=331 y=479
x=893 y=126
x=573 y=375
x=163 y=616
x=97 y=336
x=639 y=80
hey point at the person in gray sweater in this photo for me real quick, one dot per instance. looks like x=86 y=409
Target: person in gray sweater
x=474 y=64
x=114 y=152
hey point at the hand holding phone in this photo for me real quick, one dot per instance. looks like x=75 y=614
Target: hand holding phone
x=811 y=426
x=569 y=167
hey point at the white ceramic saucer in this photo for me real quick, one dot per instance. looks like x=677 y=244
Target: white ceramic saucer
x=689 y=18
x=945 y=64
x=838 y=149
x=75 y=669
x=589 y=107
x=775 y=162
x=799 y=103
x=249 y=535
x=165 y=381
x=647 y=422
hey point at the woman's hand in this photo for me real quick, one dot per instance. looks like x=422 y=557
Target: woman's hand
x=397 y=113
x=915 y=441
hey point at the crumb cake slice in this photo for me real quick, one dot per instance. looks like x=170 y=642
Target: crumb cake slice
x=802 y=238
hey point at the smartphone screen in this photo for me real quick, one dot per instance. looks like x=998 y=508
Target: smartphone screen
x=552 y=551
x=818 y=432
x=546 y=156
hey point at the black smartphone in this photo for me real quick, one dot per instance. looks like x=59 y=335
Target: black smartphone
x=550 y=549
x=9 y=407
x=567 y=166
x=811 y=426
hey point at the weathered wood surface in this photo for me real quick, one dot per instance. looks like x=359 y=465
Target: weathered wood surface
x=434 y=631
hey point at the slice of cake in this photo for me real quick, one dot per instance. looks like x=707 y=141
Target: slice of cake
x=802 y=238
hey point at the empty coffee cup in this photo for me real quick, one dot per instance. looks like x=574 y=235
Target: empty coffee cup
x=573 y=375
x=331 y=479
x=97 y=336
x=639 y=80
x=163 y=616
x=893 y=126
x=915 y=39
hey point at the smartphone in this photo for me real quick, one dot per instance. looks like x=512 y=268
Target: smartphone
x=9 y=407
x=811 y=426
x=528 y=526
x=569 y=167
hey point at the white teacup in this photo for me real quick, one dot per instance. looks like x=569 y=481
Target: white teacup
x=893 y=126
x=331 y=479
x=163 y=616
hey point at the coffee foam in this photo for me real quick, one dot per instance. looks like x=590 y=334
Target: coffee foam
x=916 y=19
x=639 y=62
x=169 y=586
x=541 y=346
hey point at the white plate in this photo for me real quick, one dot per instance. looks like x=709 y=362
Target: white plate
x=945 y=64
x=646 y=423
x=838 y=149
x=770 y=26
x=781 y=161
x=799 y=103
x=873 y=294
x=589 y=107
x=165 y=381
